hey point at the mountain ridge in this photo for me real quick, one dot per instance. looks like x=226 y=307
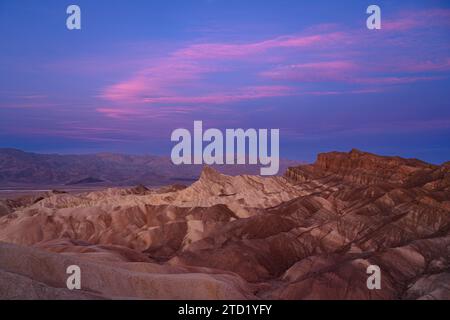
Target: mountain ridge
x=115 y=169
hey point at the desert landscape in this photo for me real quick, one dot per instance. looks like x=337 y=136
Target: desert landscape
x=309 y=234
x=264 y=152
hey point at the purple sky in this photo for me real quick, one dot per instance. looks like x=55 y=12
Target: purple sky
x=138 y=70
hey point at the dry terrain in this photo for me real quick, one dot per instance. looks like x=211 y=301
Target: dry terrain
x=310 y=234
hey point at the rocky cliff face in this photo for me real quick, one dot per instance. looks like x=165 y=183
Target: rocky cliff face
x=308 y=235
x=363 y=168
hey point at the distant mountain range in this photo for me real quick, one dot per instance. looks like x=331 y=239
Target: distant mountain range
x=20 y=168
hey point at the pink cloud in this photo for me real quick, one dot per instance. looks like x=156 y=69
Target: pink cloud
x=425 y=66
x=234 y=51
x=320 y=54
x=313 y=72
x=394 y=80
x=124 y=90
x=350 y=72
x=248 y=93
x=419 y=18
x=159 y=81
x=120 y=113
x=341 y=92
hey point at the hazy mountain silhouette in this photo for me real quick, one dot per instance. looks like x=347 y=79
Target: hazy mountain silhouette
x=21 y=168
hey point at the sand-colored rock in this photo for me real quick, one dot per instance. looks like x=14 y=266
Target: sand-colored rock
x=45 y=274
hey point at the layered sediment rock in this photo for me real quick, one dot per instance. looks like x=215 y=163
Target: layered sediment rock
x=308 y=235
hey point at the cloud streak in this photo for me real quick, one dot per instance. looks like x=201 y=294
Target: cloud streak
x=278 y=67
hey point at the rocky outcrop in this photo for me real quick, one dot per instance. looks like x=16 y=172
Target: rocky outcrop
x=363 y=168
x=8 y=206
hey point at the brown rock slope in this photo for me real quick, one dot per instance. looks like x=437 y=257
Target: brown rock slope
x=308 y=235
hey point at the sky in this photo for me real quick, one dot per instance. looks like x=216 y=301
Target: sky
x=137 y=70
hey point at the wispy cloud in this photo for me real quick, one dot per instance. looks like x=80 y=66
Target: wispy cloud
x=314 y=71
x=161 y=79
x=278 y=67
x=414 y=19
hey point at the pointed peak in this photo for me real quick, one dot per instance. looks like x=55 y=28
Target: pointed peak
x=356 y=151
x=139 y=189
x=209 y=173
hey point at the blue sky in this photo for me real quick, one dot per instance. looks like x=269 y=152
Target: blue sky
x=139 y=69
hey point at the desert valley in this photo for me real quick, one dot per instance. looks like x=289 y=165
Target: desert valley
x=309 y=234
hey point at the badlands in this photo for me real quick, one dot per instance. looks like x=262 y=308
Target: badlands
x=310 y=234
